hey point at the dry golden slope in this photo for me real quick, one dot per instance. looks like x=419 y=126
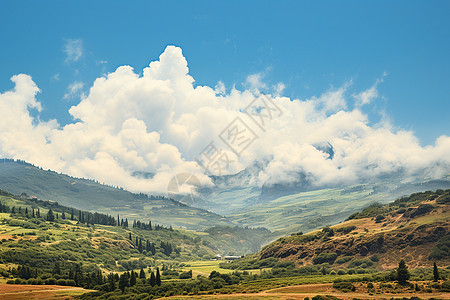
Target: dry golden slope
x=409 y=229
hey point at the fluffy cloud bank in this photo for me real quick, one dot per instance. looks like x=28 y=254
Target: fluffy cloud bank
x=161 y=122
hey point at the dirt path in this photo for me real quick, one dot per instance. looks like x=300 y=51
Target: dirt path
x=29 y=292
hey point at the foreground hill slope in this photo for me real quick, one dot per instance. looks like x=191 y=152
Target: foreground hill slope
x=414 y=228
x=19 y=177
x=28 y=237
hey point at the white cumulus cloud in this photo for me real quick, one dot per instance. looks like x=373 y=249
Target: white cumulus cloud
x=161 y=121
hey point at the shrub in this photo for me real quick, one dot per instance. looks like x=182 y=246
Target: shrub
x=346 y=229
x=50 y=281
x=324 y=297
x=344 y=286
x=363 y=263
x=379 y=218
x=343 y=260
x=186 y=275
x=325 y=258
x=285 y=264
x=441 y=250
x=341 y=272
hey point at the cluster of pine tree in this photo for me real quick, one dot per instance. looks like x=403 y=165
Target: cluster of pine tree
x=129 y=279
x=142 y=225
x=167 y=248
x=138 y=243
x=72 y=275
x=14 y=211
x=83 y=216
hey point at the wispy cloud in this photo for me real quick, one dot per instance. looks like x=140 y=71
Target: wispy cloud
x=74 y=89
x=255 y=83
x=73 y=49
x=55 y=77
x=367 y=96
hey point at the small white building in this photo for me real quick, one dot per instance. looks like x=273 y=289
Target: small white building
x=232 y=257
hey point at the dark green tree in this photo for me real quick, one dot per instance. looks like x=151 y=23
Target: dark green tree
x=158 y=277
x=152 y=279
x=133 y=278
x=111 y=282
x=123 y=282
x=142 y=274
x=402 y=273
x=435 y=272
x=50 y=216
x=140 y=248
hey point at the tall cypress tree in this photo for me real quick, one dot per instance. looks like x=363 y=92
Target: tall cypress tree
x=133 y=278
x=152 y=279
x=158 y=277
x=402 y=273
x=142 y=274
x=435 y=272
x=140 y=246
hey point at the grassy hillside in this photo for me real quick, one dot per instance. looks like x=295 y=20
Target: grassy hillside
x=414 y=228
x=36 y=242
x=35 y=251
x=19 y=177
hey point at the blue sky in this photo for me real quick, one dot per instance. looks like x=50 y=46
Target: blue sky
x=310 y=46
x=372 y=78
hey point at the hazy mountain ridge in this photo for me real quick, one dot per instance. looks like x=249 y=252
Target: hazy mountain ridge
x=231 y=202
x=19 y=177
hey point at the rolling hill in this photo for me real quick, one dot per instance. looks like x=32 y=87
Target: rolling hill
x=414 y=228
x=19 y=177
x=309 y=210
